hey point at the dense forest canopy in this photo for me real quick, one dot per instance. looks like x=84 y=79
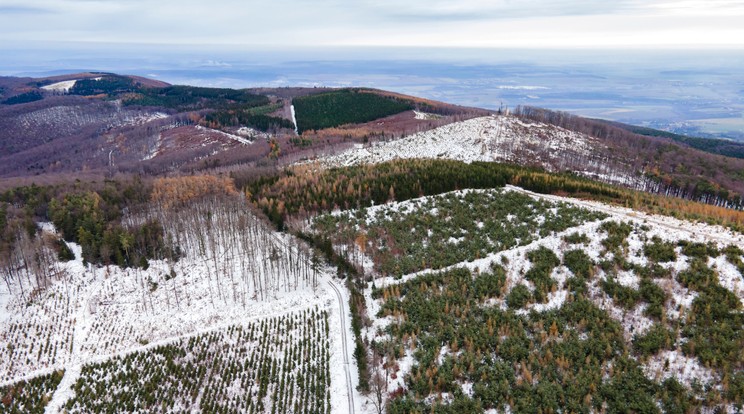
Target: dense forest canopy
x=304 y=189
x=345 y=106
x=87 y=214
x=25 y=97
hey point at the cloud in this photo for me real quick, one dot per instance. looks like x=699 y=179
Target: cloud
x=426 y=23
x=438 y=10
x=19 y=9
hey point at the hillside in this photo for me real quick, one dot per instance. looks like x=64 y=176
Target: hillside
x=680 y=169
x=170 y=248
x=483 y=298
x=638 y=163
x=105 y=123
x=85 y=315
x=573 y=288
x=729 y=148
x=577 y=319
x=496 y=139
x=101 y=123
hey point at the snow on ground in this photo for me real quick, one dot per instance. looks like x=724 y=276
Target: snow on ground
x=64 y=389
x=491 y=138
x=251 y=134
x=729 y=276
x=179 y=138
x=500 y=138
x=667 y=228
x=233 y=137
x=344 y=374
x=143 y=118
x=5 y=298
x=674 y=363
x=63 y=86
x=627 y=279
x=294 y=119
x=555 y=301
x=425 y=116
x=633 y=321
x=91 y=313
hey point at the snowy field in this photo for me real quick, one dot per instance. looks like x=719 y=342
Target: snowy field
x=500 y=138
x=63 y=86
x=277 y=364
x=90 y=314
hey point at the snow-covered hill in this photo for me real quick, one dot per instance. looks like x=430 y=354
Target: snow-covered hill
x=501 y=138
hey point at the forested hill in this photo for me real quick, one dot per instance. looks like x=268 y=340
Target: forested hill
x=104 y=123
x=682 y=165
x=101 y=124
x=727 y=147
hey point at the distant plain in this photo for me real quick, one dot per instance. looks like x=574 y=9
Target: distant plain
x=698 y=93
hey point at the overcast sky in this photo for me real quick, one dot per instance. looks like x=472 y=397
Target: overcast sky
x=431 y=23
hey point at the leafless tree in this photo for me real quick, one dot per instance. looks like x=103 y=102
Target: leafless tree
x=379 y=381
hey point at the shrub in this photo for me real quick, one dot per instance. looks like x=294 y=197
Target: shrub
x=626 y=297
x=488 y=285
x=576 y=238
x=659 y=251
x=543 y=262
x=698 y=250
x=697 y=276
x=64 y=254
x=518 y=297
x=617 y=233
x=579 y=263
x=653 y=270
x=657 y=338
x=654 y=296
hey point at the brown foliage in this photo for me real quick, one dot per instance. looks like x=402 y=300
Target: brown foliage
x=176 y=191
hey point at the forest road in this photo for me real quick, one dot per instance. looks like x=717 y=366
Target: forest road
x=343 y=316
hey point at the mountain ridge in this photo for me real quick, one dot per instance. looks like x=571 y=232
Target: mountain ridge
x=107 y=123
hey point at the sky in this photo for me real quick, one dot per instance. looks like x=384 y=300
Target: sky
x=382 y=23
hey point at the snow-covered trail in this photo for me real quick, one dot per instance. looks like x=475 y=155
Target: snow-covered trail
x=294 y=119
x=64 y=390
x=72 y=371
x=724 y=236
x=343 y=324
x=343 y=315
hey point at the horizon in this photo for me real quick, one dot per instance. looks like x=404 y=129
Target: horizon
x=688 y=91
